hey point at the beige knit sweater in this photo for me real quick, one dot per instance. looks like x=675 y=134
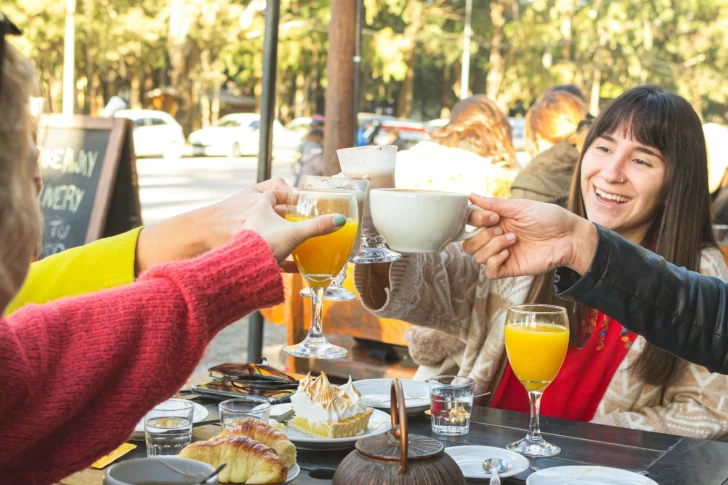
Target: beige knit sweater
x=449 y=292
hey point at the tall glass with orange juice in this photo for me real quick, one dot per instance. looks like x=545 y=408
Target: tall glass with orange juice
x=320 y=259
x=336 y=290
x=536 y=338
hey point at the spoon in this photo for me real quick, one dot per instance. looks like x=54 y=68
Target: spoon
x=494 y=466
x=219 y=469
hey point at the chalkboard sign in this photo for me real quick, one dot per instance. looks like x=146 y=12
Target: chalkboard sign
x=90 y=188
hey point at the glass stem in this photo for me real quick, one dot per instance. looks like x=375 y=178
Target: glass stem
x=317 y=310
x=534 y=428
x=341 y=276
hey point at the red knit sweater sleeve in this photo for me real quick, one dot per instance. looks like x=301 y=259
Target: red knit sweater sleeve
x=78 y=374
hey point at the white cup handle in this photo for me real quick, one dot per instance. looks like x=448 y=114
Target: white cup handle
x=464 y=234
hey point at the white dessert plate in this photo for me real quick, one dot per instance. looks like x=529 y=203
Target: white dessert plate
x=292 y=473
x=470 y=460
x=380 y=422
x=200 y=414
x=376 y=393
x=587 y=475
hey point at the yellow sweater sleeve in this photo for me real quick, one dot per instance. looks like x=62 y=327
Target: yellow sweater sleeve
x=96 y=266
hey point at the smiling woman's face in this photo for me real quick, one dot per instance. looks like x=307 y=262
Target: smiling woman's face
x=623 y=183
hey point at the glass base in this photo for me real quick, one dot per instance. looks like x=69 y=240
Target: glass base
x=374 y=250
x=317 y=348
x=532 y=447
x=333 y=293
x=376 y=255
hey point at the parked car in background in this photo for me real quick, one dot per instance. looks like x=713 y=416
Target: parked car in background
x=238 y=135
x=409 y=132
x=156 y=133
x=434 y=124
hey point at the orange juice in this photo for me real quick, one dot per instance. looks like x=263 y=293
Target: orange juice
x=319 y=259
x=536 y=352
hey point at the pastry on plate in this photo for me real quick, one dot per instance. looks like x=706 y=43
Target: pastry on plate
x=266 y=434
x=247 y=460
x=326 y=411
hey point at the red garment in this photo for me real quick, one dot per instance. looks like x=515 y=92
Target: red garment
x=583 y=379
x=78 y=374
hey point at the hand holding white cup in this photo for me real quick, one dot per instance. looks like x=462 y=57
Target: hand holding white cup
x=421 y=221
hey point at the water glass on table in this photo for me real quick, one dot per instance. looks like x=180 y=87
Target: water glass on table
x=233 y=410
x=451 y=402
x=168 y=427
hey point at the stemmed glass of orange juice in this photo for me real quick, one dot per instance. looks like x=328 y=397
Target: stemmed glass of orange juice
x=321 y=258
x=536 y=337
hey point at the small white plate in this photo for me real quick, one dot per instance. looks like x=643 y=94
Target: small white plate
x=470 y=460
x=292 y=473
x=200 y=415
x=377 y=392
x=587 y=475
x=380 y=422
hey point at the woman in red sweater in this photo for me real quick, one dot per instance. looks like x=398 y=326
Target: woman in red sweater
x=79 y=374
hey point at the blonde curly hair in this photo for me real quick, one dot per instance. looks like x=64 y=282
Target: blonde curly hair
x=19 y=211
x=478 y=125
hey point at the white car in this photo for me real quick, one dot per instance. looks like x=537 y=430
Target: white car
x=156 y=133
x=238 y=135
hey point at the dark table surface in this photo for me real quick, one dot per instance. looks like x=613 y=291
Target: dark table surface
x=667 y=459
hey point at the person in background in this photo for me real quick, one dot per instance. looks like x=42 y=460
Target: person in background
x=572 y=89
x=311 y=161
x=472 y=153
x=361 y=138
x=553 y=126
x=393 y=138
x=643 y=174
x=81 y=372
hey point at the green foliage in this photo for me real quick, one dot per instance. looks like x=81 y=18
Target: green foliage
x=681 y=45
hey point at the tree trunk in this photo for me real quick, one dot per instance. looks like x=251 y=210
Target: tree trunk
x=216 y=87
x=496 y=69
x=205 y=88
x=184 y=58
x=340 y=75
x=597 y=75
x=415 y=13
x=89 y=95
x=299 y=99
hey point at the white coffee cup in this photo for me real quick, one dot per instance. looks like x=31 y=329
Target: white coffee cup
x=421 y=221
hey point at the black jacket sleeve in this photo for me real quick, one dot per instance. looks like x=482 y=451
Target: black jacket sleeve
x=680 y=311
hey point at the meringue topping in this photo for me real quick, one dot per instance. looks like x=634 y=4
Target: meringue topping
x=319 y=401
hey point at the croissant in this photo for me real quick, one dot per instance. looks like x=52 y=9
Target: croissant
x=247 y=461
x=258 y=430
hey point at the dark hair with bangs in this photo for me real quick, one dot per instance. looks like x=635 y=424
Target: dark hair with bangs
x=682 y=227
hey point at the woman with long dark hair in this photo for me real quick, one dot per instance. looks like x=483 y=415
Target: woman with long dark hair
x=643 y=174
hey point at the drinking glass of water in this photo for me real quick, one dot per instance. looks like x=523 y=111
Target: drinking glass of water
x=451 y=404
x=168 y=427
x=233 y=410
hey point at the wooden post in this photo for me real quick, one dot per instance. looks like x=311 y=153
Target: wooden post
x=340 y=90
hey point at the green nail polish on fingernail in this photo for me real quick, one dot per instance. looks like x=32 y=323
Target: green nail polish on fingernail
x=339 y=220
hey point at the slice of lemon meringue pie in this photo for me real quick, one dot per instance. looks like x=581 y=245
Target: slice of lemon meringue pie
x=327 y=411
